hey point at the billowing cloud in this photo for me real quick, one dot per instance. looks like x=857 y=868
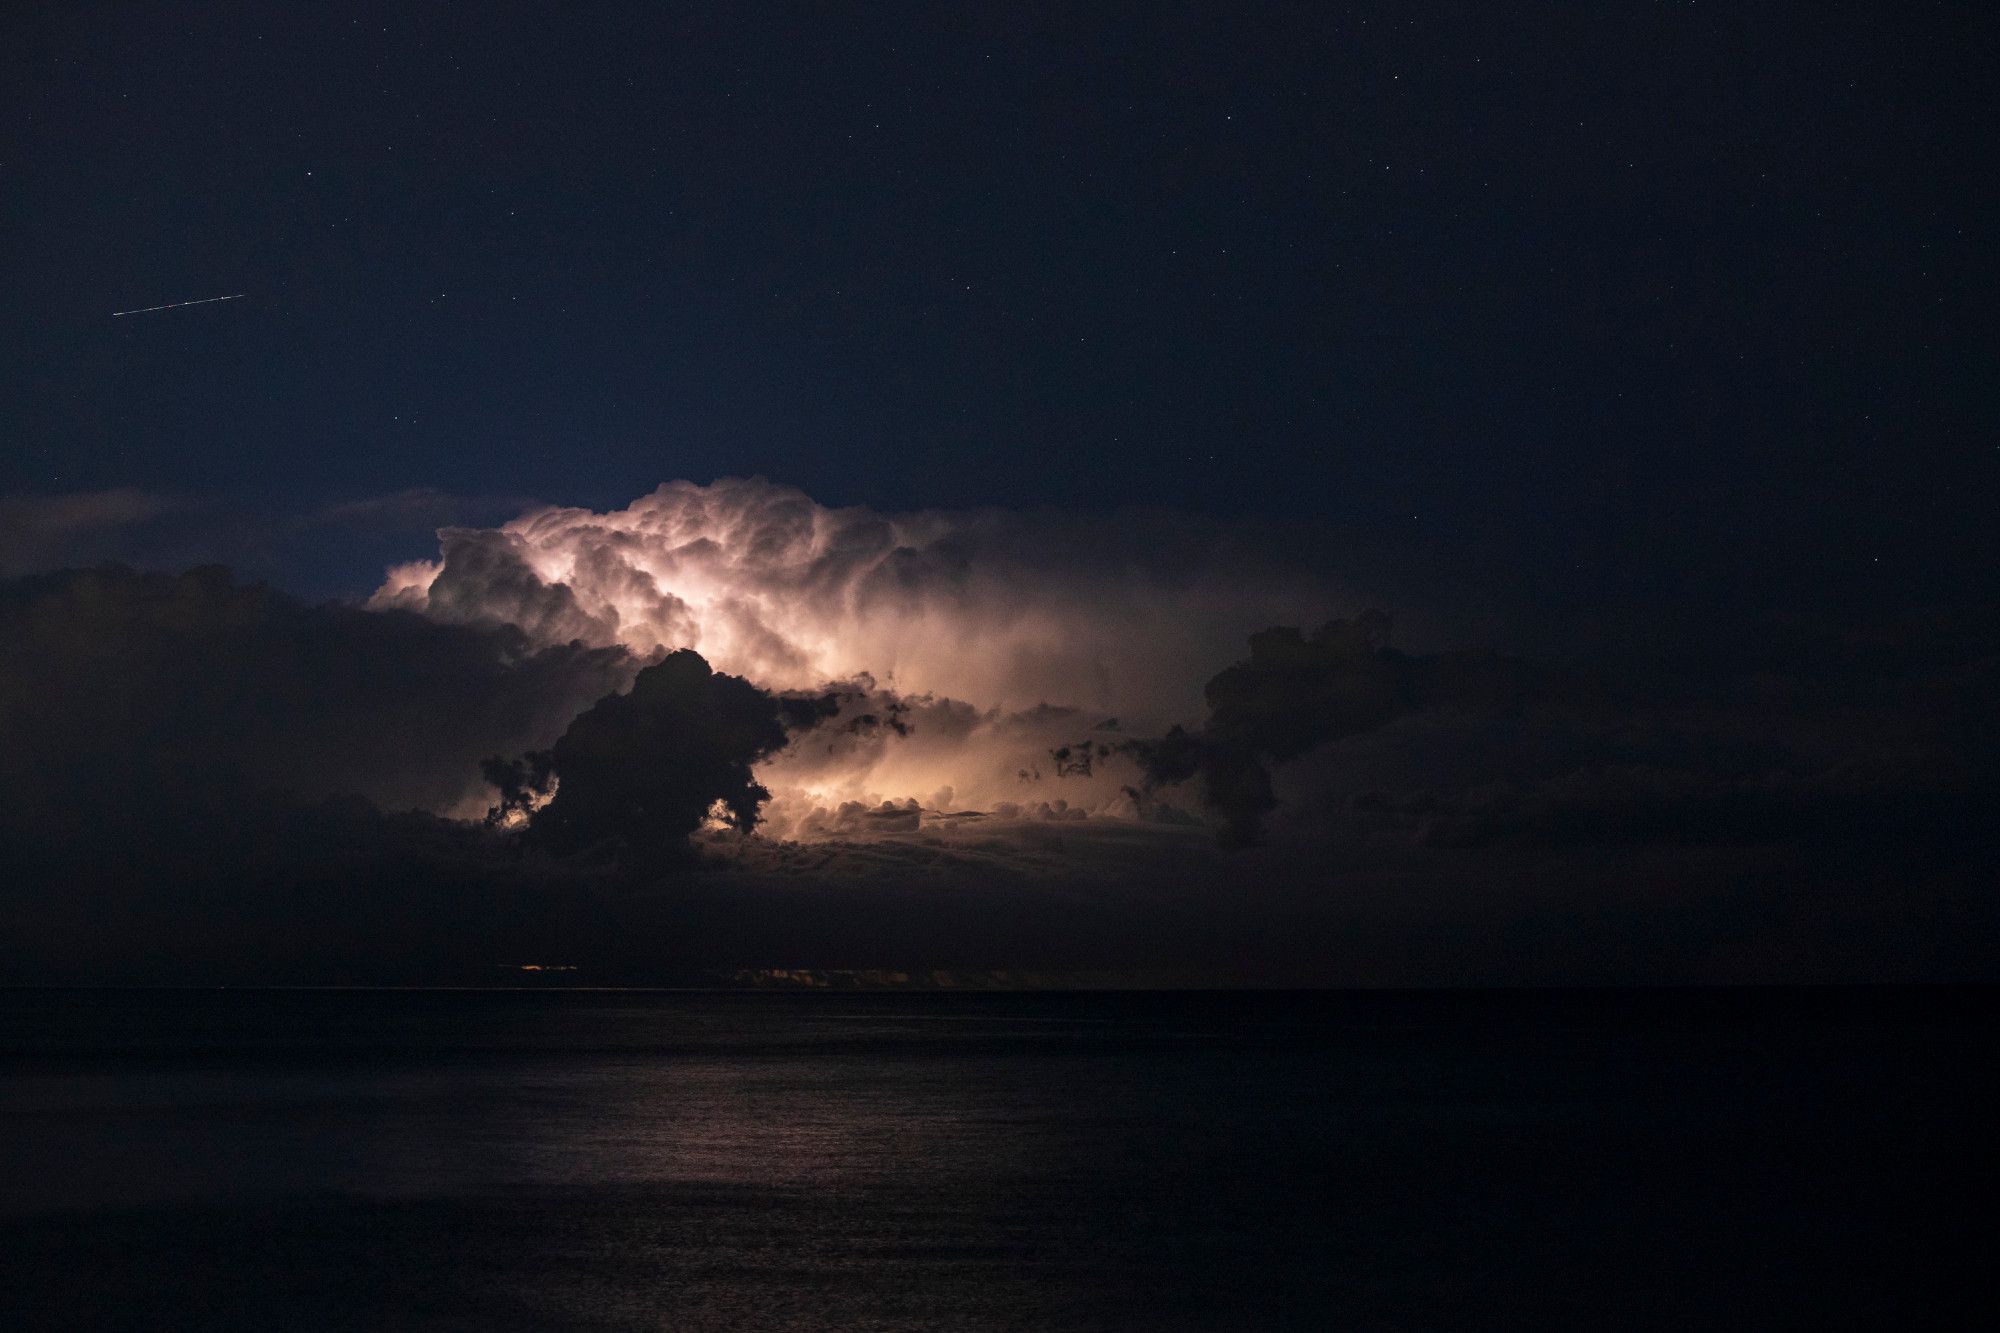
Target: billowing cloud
x=1000 y=609
x=990 y=639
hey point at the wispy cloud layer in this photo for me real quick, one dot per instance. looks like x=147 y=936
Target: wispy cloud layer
x=76 y=527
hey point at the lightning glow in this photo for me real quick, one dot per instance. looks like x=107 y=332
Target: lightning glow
x=989 y=638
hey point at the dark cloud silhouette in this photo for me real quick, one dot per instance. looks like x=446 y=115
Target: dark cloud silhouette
x=196 y=775
x=1297 y=692
x=1853 y=747
x=639 y=772
x=128 y=696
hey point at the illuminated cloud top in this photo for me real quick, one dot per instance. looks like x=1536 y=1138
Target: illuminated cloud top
x=995 y=607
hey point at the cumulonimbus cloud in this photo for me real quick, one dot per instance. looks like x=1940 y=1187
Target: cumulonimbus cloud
x=990 y=638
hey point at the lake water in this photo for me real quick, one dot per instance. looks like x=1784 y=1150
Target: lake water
x=693 y=1161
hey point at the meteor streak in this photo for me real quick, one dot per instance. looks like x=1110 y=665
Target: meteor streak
x=206 y=300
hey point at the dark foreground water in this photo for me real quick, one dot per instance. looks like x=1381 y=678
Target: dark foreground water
x=372 y=1160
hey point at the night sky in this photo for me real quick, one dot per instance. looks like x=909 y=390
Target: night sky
x=1673 y=303
x=1514 y=486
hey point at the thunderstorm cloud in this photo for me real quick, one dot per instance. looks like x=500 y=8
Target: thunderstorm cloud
x=963 y=648
x=730 y=727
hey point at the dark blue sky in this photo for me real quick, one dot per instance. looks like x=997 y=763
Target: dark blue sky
x=1670 y=304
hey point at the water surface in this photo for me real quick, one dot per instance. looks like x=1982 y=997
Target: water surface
x=691 y=1161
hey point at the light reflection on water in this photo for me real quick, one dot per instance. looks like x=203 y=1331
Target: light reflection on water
x=710 y=1161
